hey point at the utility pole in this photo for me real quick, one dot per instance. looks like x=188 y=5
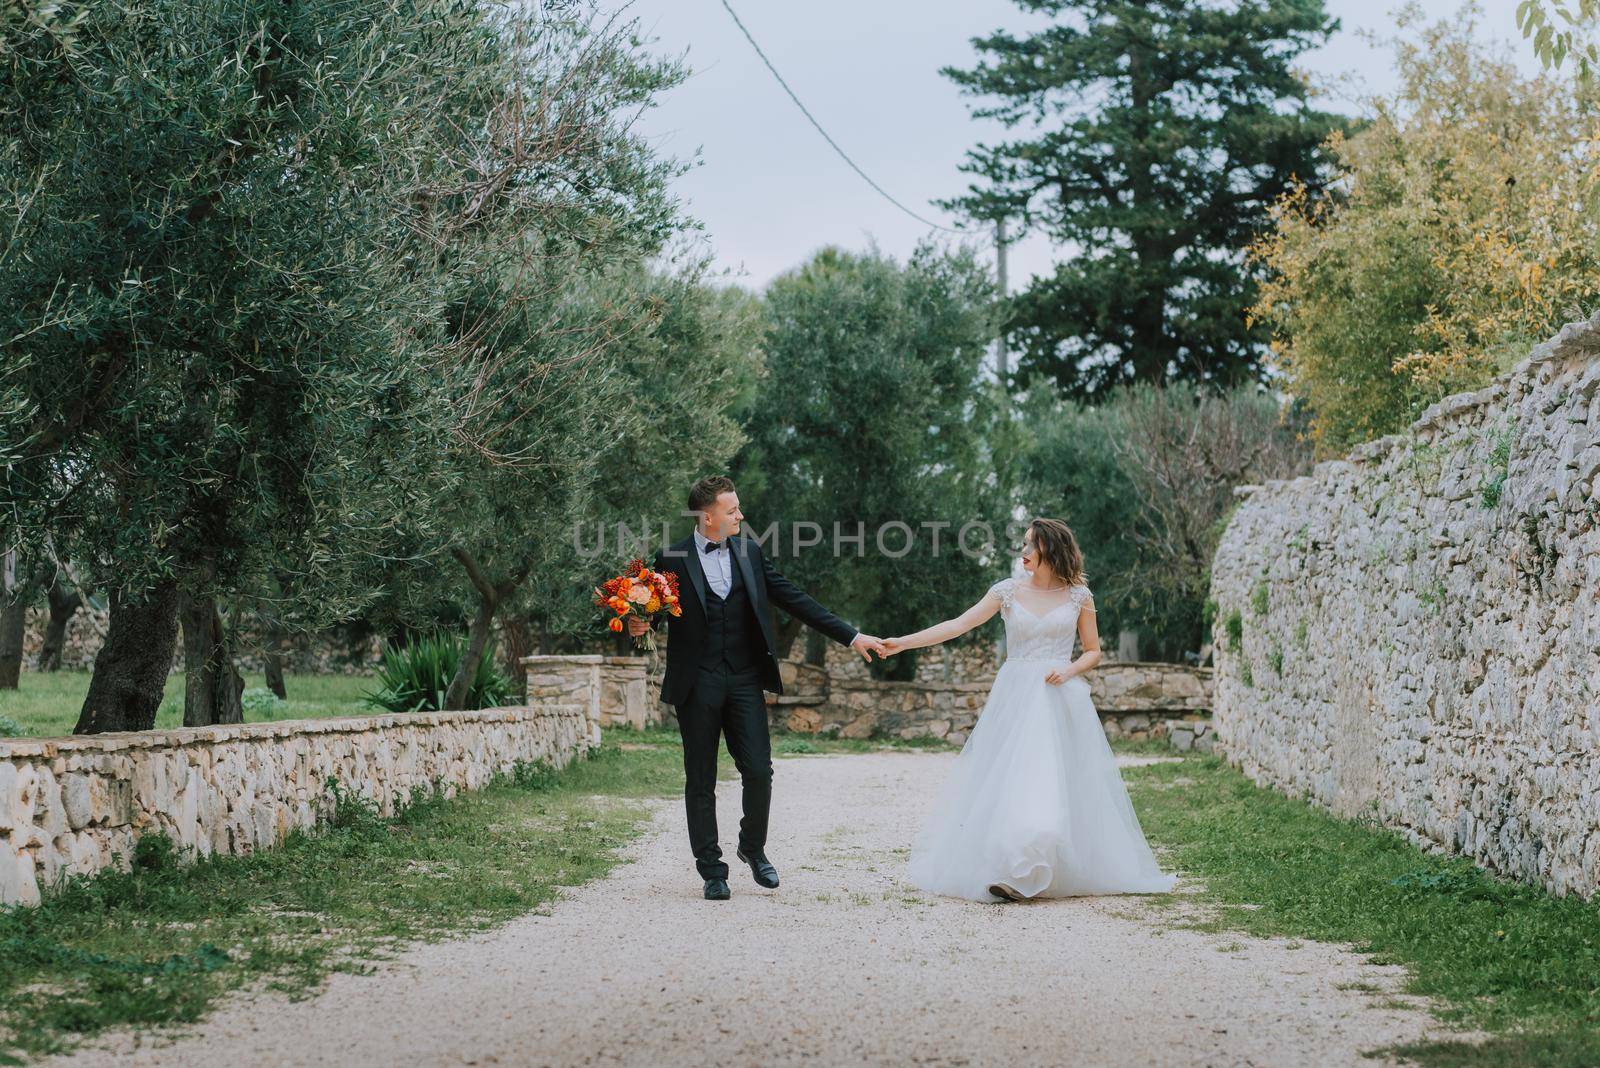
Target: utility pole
x=1001 y=357
x=1002 y=369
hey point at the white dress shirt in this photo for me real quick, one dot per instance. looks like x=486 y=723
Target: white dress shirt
x=718 y=566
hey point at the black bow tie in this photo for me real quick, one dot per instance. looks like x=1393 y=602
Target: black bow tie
x=713 y=546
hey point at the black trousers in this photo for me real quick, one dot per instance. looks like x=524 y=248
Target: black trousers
x=725 y=703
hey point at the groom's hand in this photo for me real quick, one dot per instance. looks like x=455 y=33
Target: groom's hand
x=866 y=645
x=638 y=626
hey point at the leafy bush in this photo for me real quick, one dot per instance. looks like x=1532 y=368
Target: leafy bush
x=414 y=677
x=258 y=699
x=1461 y=230
x=10 y=728
x=1147 y=500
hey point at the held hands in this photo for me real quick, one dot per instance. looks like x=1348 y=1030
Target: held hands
x=866 y=645
x=891 y=646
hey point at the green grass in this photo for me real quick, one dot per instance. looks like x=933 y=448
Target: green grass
x=1493 y=484
x=161 y=944
x=1503 y=957
x=1233 y=627
x=46 y=704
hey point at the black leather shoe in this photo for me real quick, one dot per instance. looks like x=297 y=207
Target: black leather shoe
x=717 y=890
x=766 y=875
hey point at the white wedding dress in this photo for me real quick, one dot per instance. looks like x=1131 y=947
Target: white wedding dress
x=1035 y=800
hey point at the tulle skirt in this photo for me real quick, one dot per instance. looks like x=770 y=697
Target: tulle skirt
x=1035 y=801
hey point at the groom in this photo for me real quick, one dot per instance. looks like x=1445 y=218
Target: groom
x=720 y=656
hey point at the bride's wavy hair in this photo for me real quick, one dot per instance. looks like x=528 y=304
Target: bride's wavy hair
x=1054 y=542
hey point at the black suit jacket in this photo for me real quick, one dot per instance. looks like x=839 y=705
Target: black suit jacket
x=765 y=586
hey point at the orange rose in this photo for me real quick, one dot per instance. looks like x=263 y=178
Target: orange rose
x=616 y=624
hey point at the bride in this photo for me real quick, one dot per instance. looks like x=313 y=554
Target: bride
x=1035 y=806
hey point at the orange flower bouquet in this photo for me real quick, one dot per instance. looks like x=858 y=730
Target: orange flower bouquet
x=638 y=591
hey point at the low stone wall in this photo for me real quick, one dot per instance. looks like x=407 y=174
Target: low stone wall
x=1413 y=633
x=965 y=661
x=1134 y=700
x=625 y=697
x=76 y=805
x=617 y=691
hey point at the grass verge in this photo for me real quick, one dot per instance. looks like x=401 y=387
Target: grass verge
x=46 y=703
x=161 y=944
x=1503 y=957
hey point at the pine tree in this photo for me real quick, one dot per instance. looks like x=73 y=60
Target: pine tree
x=1153 y=137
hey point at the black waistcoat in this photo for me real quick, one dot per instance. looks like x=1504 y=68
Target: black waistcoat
x=733 y=637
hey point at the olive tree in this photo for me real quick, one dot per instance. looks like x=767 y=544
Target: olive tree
x=244 y=237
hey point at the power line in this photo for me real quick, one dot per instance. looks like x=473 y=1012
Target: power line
x=834 y=144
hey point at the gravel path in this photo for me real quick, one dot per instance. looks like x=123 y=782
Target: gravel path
x=844 y=964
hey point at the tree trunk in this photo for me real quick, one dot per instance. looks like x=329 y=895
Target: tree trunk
x=13 y=617
x=212 y=686
x=272 y=663
x=519 y=642
x=63 y=606
x=490 y=596
x=272 y=658
x=482 y=629
x=816 y=648
x=132 y=668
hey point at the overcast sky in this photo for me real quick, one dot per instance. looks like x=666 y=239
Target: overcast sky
x=770 y=191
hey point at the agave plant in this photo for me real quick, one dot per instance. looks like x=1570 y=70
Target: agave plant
x=415 y=676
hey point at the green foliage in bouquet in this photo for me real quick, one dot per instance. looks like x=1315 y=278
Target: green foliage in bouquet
x=414 y=677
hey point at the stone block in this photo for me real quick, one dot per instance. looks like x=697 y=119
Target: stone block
x=75 y=790
x=9 y=800
x=862 y=726
x=804 y=720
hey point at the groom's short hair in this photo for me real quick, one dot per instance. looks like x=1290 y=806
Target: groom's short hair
x=704 y=494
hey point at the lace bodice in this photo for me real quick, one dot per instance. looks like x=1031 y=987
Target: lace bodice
x=1047 y=634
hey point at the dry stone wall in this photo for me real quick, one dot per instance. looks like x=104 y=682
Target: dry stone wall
x=73 y=806
x=1414 y=632
x=1134 y=700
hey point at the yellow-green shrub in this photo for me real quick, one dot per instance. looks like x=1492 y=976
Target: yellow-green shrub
x=1461 y=229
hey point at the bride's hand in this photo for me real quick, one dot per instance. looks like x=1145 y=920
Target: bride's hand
x=892 y=646
x=1058 y=675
